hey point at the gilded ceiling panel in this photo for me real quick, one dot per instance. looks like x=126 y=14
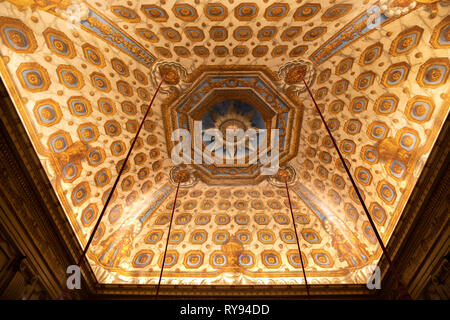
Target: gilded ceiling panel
x=81 y=75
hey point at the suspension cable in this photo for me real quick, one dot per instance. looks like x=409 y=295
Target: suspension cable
x=296 y=237
x=401 y=288
x=64 y=292
x=167 y=241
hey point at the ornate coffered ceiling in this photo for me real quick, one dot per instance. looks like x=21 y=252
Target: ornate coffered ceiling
x=211 y=88
x=81 y=75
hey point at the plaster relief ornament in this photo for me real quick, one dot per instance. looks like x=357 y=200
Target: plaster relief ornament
x=233 y=250
x=39 y=4
x=229 y=124
x=289 y=75
x=286 y=173
x=349 y=247
x=116 y=247
x=75 y=13
x=45 y=5
x=183 y=174
x=174 y=72
x=390 y=150
x=396 y=8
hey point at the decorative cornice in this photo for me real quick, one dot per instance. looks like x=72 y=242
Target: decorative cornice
x=245 y=292
x=423 y=229
x=33 y=215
